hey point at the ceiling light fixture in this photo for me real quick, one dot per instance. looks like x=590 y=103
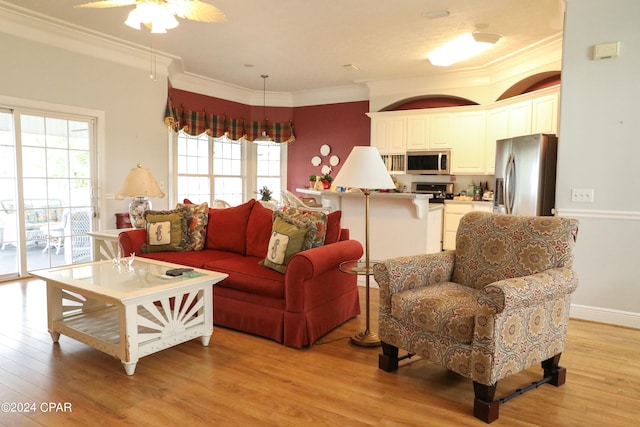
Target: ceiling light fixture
x=264 y=137
x=160 y=15
x=463 y=47
x=157 y=16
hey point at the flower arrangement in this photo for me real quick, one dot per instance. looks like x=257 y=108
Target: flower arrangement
x=265 y=194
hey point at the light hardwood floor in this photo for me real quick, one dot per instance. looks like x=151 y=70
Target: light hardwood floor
x=245 y=380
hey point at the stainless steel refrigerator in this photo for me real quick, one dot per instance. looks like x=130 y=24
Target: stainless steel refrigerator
x=526 y=175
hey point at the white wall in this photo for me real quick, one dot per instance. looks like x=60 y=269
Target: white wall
x=599 y=148
x=131 y=105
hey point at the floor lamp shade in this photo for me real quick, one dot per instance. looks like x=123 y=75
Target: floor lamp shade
x=139 y=184
x=365 y=169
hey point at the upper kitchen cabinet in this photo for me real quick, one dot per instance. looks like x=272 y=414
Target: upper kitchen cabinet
x=545 y=114
x=469 y=137
x=536 y=112
x=440 y=130
x=388 y=132
x=418 y=132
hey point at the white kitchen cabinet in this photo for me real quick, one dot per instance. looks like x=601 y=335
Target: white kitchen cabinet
x=440 y=131
x=435 y=220
x=520 y=118
x=388 y=134
x=469 y=142
x=545 y=114
x=453 y=213
x=497 y=128
x=418 y=132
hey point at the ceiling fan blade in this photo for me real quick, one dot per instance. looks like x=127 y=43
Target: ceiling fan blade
x=107 y=3
x=197 y=10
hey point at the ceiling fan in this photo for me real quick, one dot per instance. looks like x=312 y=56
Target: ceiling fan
x=159 y=15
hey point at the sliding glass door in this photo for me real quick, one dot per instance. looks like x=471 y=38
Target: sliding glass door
x=47 y=202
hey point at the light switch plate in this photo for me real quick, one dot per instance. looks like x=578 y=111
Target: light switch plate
x=582 y=195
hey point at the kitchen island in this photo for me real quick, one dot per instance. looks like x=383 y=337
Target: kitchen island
x=399 y=223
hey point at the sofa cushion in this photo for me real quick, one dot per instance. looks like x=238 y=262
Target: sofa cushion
x=288 y=237
x=166 y=230
x=259 y=230
x=319 y=219
x=197 y=225
x=451 y=307
x=227 y=228
x=195 y=259
x=247 y=275
x=333 y=227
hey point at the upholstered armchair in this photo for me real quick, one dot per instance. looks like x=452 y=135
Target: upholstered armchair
x=495 y=306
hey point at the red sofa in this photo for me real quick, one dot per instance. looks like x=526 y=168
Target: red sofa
x=295 y=308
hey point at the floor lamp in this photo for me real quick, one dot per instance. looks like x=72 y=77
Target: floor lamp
x=365 y=169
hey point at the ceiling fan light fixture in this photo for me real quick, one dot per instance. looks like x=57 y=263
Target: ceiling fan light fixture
x=156 y=16
x=461 y=48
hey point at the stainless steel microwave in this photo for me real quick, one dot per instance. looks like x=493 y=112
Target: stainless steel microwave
x=430 y=162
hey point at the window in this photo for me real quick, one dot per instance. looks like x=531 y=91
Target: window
x=209 y=169
x=268 y=162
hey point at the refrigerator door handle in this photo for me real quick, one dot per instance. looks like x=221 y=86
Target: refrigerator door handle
x=509 y=187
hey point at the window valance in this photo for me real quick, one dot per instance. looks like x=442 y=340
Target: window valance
x=216 y=125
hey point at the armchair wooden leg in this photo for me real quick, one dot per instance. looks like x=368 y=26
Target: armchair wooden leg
x=485 y=406
x=551 y=369
x=388 y=359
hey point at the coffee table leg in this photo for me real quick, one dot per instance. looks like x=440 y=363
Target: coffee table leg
x=55 y=336
x=205 y=340
x=129 y=367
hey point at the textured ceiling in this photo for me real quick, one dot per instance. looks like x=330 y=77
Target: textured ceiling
x=304 y=45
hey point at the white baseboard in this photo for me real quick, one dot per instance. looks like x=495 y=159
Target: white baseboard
x=605 y=315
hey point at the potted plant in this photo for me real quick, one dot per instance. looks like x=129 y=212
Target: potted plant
x=265 y=194
x=312 y=181
x=326 y=181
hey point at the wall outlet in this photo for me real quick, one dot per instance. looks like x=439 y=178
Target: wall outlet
x=582 y=195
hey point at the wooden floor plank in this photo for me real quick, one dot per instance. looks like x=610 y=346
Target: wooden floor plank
x=243 y=380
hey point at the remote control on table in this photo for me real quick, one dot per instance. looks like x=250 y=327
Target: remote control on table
x=177 y=271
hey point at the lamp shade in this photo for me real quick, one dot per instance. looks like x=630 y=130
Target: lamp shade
x=139 y=183
x=364 y=168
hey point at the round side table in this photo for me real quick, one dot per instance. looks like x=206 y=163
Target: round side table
x=366 y=338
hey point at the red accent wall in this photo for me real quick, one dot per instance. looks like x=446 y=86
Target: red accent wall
x=340 y=126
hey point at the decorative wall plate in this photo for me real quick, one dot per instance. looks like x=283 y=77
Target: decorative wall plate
x=325 y=150
x=334 y=160
x=315 y=161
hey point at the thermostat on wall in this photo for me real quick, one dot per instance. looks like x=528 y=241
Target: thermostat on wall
x=606 y=51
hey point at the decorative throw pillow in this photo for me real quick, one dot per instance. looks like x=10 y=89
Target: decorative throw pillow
x=197 y=225
x=288 y=237
x=167 y=231
x=319 y=219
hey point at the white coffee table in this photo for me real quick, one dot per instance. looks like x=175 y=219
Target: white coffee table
x=127 y=309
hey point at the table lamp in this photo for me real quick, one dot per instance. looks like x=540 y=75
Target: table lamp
x=139 y=184
x=365 y=169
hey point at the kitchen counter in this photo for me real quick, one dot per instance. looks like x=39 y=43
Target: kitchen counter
x=400 y=224
x=329 y=198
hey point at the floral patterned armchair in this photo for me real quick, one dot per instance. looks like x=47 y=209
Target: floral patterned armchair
x=495 y=306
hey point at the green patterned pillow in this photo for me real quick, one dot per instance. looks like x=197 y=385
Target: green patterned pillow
x=167 y=231
x=197 y=225
x=288 y=237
